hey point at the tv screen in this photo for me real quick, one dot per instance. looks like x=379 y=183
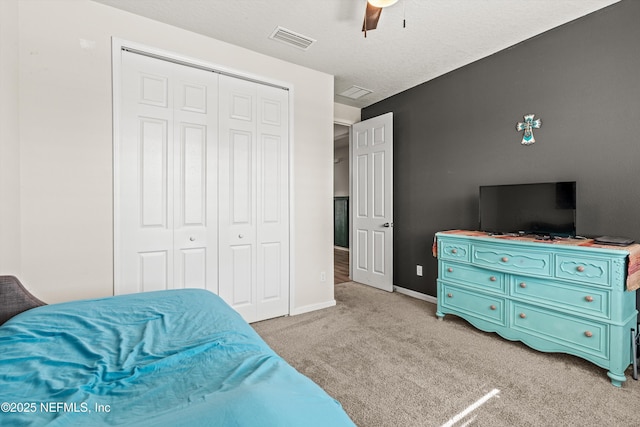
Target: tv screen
x=543 y=208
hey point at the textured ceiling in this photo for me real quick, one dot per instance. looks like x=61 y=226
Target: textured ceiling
x=440 y=35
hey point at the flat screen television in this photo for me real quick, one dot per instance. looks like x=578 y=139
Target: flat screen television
x=547 y=209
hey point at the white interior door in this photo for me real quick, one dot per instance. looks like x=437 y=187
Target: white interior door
x=166 y=177
x=254 y=182
x=372 y=202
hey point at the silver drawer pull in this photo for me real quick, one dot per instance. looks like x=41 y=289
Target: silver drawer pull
x=454 y=251
x=450 y=295
x=493 y=278
x=523 y=285
x=580 y=268
x=450 y=270
x=523 y=316
x=493 y=307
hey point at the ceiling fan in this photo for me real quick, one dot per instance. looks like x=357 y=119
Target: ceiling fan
x=372 y=13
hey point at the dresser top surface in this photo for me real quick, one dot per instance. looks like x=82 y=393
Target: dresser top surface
x=530 y=240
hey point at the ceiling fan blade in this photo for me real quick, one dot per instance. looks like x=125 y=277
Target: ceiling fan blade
x=371 y=17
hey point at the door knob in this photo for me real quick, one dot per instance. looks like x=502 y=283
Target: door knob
x=193 y=239
x=387 y=224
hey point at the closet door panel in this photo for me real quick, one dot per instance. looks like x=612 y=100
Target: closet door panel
x=143 y=207
x=273 y=202
x=166 y=177
x=193 y=264
x=271 y=275
x=195 y=169
x=271 y=178
x=241 y=177
x=194 y=175
x=154 y=191
x=237 y=166
x=254 y=163
x=242 y=295
x=153 y=268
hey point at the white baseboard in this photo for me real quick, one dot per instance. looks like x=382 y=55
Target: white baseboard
x=312 y=307
x=414 y=294
x=332 y=303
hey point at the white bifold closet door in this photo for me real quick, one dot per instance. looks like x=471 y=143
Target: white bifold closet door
x=254 y=222
x=166 y=173
x=202 y=186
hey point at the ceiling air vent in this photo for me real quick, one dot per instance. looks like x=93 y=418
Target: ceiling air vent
x=355 y=92
x=291 y=38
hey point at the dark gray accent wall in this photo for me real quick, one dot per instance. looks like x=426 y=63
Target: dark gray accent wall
x=457 y=132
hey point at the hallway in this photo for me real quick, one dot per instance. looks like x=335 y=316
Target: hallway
x=341 y=266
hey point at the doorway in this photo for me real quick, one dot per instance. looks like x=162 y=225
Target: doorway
x=341 y=176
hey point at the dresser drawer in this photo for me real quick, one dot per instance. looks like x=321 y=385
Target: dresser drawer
x=567 y=331
x=454 y=250
x=511 y=260
x=583 y=269
x=546 y=292
x=473 y=277
x=485 y=307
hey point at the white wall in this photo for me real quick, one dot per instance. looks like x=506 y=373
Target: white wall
x=66 y=146
x=9 y=141
x=341 y=172
x=346 y=114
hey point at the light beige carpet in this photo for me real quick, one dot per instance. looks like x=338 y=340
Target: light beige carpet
x=390 y=362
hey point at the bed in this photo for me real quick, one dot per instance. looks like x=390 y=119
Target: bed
x=164 y=358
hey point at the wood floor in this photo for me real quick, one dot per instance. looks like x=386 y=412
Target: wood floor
x=341 y=266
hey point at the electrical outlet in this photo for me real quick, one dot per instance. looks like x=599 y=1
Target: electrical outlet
x=323 y=276
x=419 y=270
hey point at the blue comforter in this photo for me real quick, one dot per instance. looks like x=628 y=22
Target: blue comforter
x=167 y=358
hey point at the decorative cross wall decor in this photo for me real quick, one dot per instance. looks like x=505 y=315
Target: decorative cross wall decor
x=528 y=126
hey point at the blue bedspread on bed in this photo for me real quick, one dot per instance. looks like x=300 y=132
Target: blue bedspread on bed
x=167 y=358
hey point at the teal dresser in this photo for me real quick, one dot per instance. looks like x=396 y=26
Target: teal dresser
x=553 y=297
